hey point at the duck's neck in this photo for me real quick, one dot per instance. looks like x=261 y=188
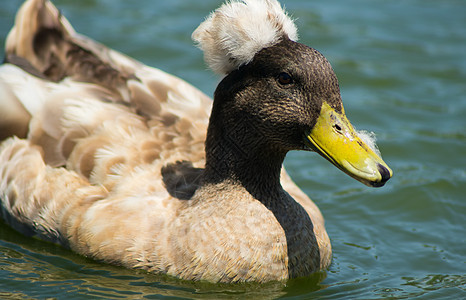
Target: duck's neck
x=238 y=152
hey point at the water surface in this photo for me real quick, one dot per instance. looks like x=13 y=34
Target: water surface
x=402 y=72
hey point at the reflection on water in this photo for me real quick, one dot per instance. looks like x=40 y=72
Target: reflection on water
x=402 y=69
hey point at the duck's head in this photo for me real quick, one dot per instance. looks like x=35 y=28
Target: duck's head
x=286 y=89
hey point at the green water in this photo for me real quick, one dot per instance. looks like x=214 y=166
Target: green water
x=402 y=71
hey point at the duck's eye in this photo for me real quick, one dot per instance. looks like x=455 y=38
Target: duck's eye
x=285 y=79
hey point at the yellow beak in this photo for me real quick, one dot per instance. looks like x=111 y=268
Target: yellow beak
x=334 y=138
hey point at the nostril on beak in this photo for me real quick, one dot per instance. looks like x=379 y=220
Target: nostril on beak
x=384 y=172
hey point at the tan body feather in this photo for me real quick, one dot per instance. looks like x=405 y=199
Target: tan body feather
x=98 y=171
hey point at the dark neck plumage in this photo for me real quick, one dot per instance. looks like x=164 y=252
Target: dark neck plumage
x=238 y=150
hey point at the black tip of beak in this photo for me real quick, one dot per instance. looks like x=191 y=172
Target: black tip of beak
x=385 y=176
x=384 y=172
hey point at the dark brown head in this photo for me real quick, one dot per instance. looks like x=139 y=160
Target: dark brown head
x=281 y=92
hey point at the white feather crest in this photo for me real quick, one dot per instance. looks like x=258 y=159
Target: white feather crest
x=235 y=32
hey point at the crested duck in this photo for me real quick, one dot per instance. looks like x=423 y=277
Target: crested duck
x=129 y=165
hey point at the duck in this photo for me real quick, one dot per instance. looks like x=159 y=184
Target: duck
x=126 y=164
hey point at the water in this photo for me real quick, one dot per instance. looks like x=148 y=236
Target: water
x=402 y=71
